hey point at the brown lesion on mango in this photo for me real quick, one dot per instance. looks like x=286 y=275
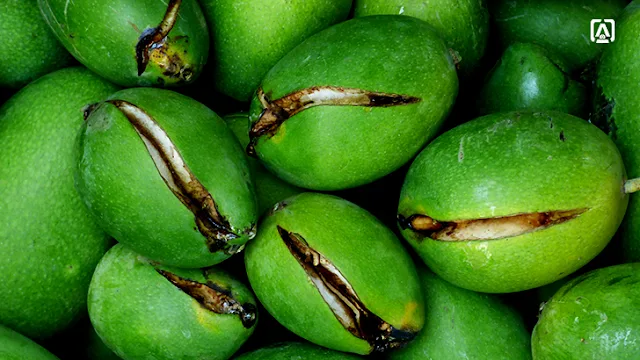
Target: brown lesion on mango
x=276 y=112
x=487 y=228
x=342 y=299
x=180 y=180
x=155 y=46
x=214 y=297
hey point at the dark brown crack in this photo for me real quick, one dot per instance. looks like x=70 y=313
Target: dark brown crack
x=340 y=296
x=276 y=112
x=214 y=297
x=486 y=229
x=155 y=37
x=180 y=180
x=87 y=110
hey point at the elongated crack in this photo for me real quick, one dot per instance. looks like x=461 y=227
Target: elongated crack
x=214 y=297
x=342 y=299
x=154 y=38
x=486 y=229
x=278 y=111
x=180 y=180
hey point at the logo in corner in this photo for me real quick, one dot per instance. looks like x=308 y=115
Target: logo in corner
x=603 y=31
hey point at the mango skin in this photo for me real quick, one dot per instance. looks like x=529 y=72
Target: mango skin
x=248 y=37
x=102 y=35
x=594 y=316
x=120 y=184
x=367 y=253
x=296 y=351
x=48 y=240
x=463 y=24
x=563 y=27
x=618 y=82
x=14 y=346
x=463 y=324
x=339 y=147
x=513 y=163
x=528 y=78
x=29 y=49
x=270 y=190
x=139 y=314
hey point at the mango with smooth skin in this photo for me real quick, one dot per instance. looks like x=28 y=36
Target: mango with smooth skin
x=49 y=242
x=296 y=351
x=617 y=110
x=464 y=25
x=527 y=77
x=462 y=324
x=332 y=273
x=595 y=316
x=14 y=346
x=270 y=190
x=563 y=27
x=248 y=37
x=339 y=112
x=163 y=174
x=513 y=201
x=142 y=310
x=133 y=43
x=29 y=48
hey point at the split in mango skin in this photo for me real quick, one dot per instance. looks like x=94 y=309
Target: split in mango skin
x=165 y=175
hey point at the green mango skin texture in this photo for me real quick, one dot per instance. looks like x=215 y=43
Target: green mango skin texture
x=139 y=314
x=102 y=35
x=516 y=163
x=563 y=27
x=463 y=24
x=525 y=78
x=122 y=187
x=29 y=49
x=296 y=351
x=248 y=37
x=462 y=324
x=618 y=80
x=14 y=346
x=594 y=316
x=270 y=190
x=48 y=241
x=367 y=253
x=339 y=147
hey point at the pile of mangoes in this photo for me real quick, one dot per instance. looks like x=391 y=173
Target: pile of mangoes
x=319 y=179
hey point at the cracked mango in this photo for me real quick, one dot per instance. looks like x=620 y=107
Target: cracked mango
x=513 y=201
x=333 y=274
x=164 y=174
x=353 y=103
x=133 y=43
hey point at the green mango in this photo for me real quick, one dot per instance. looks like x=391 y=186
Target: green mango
x=513 y=201
x=595 y=316
x=29 y=49
x=526 y=78
x=562 y=27
x=618 y=83
x=249 y=37
x=296 y=351
x=462 y=324
x=48 y=241
x=269 y=189
x=145 y=311
x=339 y=112
x=14 y=346
x=331 y=273
x=133 y=43
x=463 y=24
x=164 y=174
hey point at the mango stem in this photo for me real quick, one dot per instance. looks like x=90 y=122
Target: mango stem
x=632 y=185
